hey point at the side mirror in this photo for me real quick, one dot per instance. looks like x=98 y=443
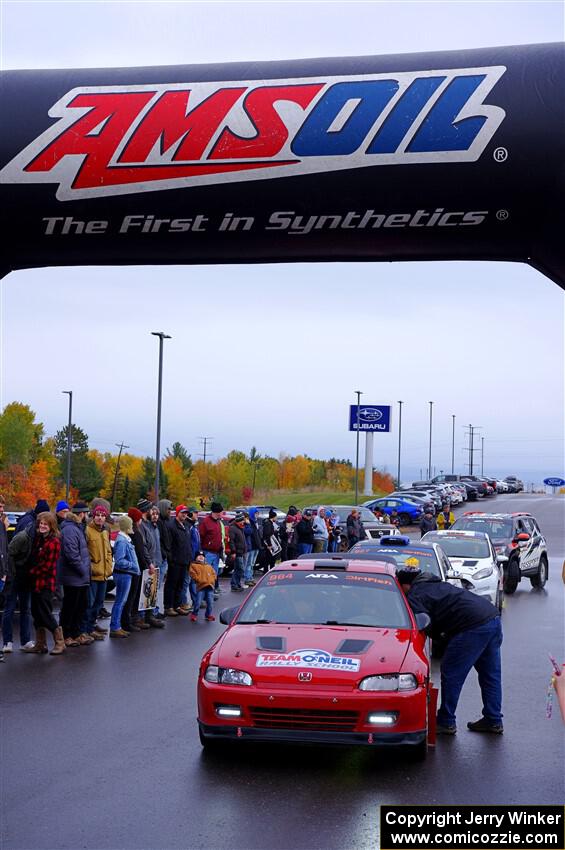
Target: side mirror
x=451 y=574
x=227 y=615
x=501 y=559
x=422 y=621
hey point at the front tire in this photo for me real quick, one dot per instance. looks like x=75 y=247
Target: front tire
x=511 y=576
x=540 y=579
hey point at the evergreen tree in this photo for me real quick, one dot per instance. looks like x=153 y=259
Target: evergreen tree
x=179 y=452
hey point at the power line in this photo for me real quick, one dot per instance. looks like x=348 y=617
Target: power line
x=205 y=441
x=121 y=447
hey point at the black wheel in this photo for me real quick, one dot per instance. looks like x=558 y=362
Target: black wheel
x=405 y=519
x=499 y=600
x=540 y=579
x=511 y=576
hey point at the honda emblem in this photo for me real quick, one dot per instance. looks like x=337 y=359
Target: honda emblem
x=304 y=677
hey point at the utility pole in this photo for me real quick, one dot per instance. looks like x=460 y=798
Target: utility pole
x=482 y=455
x=162 y=336
x=204 y=455
x=400 y=403
x=121 y=447
x=470 y=449
x=453 y=445
x=69 y=441
x=359 y=394
x=430 y=446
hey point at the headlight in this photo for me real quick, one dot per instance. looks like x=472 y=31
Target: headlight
x=227 y=676
x=483 y=573
x=389 y=682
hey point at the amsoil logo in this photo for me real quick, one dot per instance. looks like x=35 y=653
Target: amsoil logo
x=112 y=140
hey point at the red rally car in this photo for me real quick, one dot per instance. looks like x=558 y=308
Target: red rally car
x=324 y=651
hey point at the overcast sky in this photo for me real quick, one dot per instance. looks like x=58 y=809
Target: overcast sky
x=270 y=355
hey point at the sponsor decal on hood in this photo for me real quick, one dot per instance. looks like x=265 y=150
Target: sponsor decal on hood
x=317 y=659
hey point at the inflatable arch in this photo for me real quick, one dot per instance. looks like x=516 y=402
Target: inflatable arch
x=439 y=156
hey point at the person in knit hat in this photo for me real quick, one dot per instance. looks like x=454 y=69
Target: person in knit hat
x=74 y=576
x=163 y=522
x=100 y=551
x=30 y=517
x=61 y=511
x=131 y=620
x=212 y=532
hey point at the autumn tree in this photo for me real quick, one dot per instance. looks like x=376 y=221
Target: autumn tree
x=20 y=435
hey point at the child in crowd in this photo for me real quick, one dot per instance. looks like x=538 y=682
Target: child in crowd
x=204 y=578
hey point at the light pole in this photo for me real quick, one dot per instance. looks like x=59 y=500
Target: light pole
x=162 y=335
x=358 y=394
x=453 y=445
x=69 y=441
x=400 y=403
x=482 y=455
x=430 y=445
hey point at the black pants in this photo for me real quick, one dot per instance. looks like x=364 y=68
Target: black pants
x=130 y=610
x=173 y=585
x=42 y=610
x=75 y=603
x=270 y=560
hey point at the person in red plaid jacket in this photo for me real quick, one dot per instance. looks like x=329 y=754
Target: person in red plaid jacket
x=43 y=575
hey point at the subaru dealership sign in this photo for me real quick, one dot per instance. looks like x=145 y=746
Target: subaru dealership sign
x=372 y=417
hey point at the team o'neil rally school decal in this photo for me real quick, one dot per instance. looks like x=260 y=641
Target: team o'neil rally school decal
x=312 y=658
x=111 y=140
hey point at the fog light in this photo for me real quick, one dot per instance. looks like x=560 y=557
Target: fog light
x=228 y=711
x=382 y=718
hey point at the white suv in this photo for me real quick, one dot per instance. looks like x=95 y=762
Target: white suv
x=473 y=561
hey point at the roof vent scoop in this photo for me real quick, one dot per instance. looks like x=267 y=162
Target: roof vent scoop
x=333 y=564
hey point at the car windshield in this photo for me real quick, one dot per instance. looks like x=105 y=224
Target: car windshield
x=425 y=559
x=497 y=529
x=327 y=598
x=463 y=547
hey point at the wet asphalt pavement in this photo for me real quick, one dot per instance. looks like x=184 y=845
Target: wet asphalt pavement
x=99 y=748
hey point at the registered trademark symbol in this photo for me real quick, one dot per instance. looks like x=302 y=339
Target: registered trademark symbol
x=502 y=215
x=500 y=155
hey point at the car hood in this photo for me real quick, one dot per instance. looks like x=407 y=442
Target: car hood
x=470 y=565
x=336 y=656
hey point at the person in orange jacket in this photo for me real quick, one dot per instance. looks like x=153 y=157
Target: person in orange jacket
x=204 y=577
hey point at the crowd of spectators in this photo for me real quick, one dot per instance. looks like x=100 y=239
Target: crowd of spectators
x=58 y=567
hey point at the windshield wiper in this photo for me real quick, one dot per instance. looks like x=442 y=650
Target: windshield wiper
x=253 y=622
x=338 y=623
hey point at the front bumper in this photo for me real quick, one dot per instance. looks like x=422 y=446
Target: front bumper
x=484 y=587
x=308 y=715
x=248 y=733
